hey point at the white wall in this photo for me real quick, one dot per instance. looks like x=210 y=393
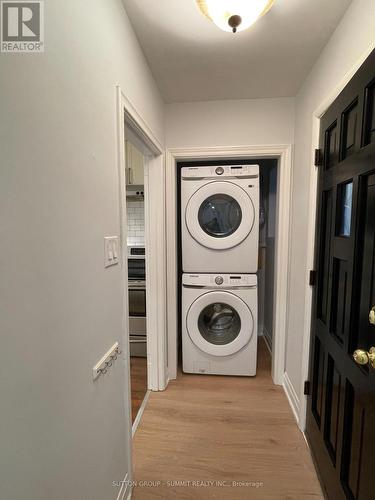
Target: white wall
x=230 y=123
x=352 y=38
x=62 y=435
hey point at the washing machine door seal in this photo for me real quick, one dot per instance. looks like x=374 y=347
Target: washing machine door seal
x=219 y=323
x=220 y=215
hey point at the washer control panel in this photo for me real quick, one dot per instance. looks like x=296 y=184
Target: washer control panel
x=219 y=280
x=249 y=171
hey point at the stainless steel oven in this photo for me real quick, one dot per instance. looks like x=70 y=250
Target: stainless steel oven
x=137 y=301
x=137 y=298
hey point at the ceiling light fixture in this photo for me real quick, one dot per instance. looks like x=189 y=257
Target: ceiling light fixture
x=234 y=15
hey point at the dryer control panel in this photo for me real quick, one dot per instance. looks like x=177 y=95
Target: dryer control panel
x=217 y=171
x=219 y=280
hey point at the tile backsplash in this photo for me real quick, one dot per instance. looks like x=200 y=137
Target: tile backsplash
x=136 y=222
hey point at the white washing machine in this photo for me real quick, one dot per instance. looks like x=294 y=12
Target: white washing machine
x=220 y=219
x=219 y=324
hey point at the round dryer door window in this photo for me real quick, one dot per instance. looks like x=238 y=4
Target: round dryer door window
x=220 y=215
x=220 y=323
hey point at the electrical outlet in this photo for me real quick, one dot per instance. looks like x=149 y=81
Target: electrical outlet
x=111 y=251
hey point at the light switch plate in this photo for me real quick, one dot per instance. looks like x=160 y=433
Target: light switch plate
x=111 y=251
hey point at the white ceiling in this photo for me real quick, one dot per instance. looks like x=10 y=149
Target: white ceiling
x=192 y=60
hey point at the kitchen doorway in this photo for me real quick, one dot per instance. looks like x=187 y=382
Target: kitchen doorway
x=137 y=282
x=141 y=197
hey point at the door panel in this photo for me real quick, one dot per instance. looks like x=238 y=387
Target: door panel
x=366 y=331
x=325 y=252
x=369 y=126
x=341 y=408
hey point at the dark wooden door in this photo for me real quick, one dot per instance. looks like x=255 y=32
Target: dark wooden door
x=341 y=409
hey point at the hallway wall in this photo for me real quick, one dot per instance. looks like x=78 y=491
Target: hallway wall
x=230 y=123
x=62 y=435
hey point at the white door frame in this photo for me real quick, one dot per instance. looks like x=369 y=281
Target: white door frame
x=284 y=155
x=154 y=237
x=317 y=114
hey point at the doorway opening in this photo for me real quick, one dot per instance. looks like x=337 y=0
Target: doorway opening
x=211 y=322
x=135 y=160
x=280 y=153
x=141 y=200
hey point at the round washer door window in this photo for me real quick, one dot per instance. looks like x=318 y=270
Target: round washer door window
x=219 y=323
x=220 y=215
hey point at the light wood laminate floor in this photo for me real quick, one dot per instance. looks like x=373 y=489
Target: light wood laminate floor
x=209 y=428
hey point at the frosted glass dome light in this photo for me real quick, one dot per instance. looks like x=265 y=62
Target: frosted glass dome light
x=234 y=15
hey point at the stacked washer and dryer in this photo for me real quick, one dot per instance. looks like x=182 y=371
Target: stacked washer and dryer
x=220 y=232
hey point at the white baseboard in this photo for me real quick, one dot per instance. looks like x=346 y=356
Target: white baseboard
x=140 y=413
x=292 y=396
x=125 y=492
x=130 y=492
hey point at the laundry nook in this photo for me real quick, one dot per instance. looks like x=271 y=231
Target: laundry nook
x=219 y=247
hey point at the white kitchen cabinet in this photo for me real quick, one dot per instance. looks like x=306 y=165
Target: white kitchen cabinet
x=134 y=165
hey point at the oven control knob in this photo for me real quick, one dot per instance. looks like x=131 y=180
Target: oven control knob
x=219 y=170
x=219 y=280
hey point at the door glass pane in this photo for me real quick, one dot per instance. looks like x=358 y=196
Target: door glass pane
x=219 y=323
x=346 y=209
x=220 y=215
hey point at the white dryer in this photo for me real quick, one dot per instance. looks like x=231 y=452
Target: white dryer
x=220 y=219
x=219 y=324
